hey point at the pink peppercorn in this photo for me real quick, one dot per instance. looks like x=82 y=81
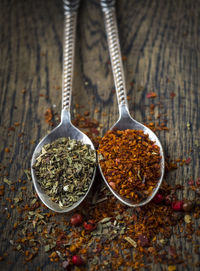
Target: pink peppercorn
x=77 y=260
x=158 y=198
x=198 y=181
x=177 y=205
x=76 y=219
x=89 y=225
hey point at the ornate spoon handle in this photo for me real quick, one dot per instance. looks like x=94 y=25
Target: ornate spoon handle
x=108 y=7
x=70 y=18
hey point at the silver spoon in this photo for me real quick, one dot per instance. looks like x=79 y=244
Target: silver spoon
x=65 y=128
x=125 y=121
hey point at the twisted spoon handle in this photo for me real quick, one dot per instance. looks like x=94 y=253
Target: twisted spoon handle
x=108 y=7
x=70 y=18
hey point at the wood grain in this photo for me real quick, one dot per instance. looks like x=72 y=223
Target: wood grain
x=161 y=42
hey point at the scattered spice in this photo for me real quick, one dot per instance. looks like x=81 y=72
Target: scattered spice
x=151 y=95
x=143 y=240
x=188 y=219
x=198 y=181
x=124 y=58
x=188 y=160
x=111 y=245
x=65 y=169
x=158 y=198
x=188 y=125
x=188 y=205
x=131 y=241
x=23 y=91
x=16 y=124
x=7 y=150
x=115 y=232
x=130 y=162
x=48 y=116
x=172 y=95
x=89 y=225
x=177 y=205
x=191 y=182
x=2 y=189
x=157 y=127
x=89 y=126
x=86 y=113
x=77 y=260
x=171 y=268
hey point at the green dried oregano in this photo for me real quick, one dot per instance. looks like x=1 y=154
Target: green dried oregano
x=64 y=170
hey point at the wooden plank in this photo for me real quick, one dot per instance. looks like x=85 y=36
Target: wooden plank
x=160 y=40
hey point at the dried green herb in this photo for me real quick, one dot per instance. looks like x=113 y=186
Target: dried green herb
x=5 y=180
x=65 y=169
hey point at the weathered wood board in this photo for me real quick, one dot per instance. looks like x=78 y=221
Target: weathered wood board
x=161 y=44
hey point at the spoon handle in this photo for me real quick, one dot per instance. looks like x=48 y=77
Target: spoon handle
x=108 y=7
x=70 y=18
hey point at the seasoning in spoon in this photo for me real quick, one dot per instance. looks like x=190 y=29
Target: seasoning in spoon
x=130 y=162
x=65 y=169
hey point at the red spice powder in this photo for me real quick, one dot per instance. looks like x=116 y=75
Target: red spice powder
x=48 y=116
x=130 y=162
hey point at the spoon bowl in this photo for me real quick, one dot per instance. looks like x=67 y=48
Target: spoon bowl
x=68 y=130
x=65 y=128
x=125 y=121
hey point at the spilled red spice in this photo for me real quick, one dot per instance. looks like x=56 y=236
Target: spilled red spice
x=130 y=162
x=158 y=198
x=48 y=116
x=119 y=238
x=90 y=127
x=172 y=95
x=156 y=126
x=151 y=95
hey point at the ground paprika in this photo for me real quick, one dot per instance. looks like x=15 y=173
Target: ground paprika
x=130 y=162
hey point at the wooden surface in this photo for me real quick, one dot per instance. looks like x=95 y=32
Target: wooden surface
x=161 y=42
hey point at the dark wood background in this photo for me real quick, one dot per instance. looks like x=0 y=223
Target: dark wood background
x=161 y=44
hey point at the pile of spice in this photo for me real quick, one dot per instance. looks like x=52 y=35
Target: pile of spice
x=130 y=162
x=65 y=170
x=103 y=228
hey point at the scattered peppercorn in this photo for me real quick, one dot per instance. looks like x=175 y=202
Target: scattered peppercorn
x=158 y=198
x=89 y=225
x=188 y=205
x=177 y=205
x=77 y=260
x=76 y=219
x=121 y=232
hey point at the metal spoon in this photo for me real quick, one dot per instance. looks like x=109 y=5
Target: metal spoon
x=125 y=121
x=65 y=128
